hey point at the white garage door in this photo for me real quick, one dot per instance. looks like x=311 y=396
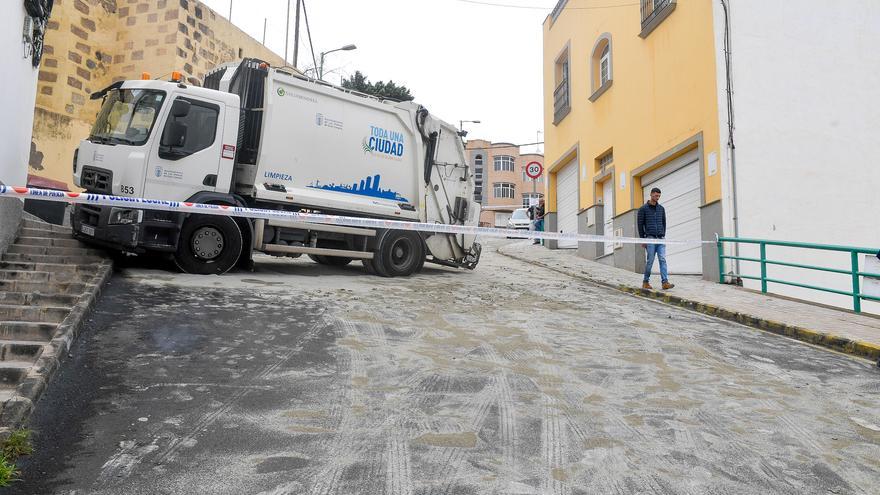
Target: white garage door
x=501 y=218
x=567 y=202
x=681 y=198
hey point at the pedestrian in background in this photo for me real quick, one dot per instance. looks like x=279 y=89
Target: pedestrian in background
x=539 y=219
x=652 y=225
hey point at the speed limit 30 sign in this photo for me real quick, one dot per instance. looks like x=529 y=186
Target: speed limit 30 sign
x=534 y=170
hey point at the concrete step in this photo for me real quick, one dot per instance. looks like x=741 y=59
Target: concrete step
x=41 y=287
x=49 y=241
x=35 y=299
x=43 y=314
x=35 y=224
x=35 y=276
x=53 y=250
x=20 y=350
x=11 y=372
x=39 y=267
x=26 y=330
x=30 y=232
x=52 y=259
x=6 y=393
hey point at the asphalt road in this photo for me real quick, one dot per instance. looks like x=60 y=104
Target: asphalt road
x=510 y=379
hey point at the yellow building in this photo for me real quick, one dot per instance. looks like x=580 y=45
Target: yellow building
x=630 y=104
x=92 y=43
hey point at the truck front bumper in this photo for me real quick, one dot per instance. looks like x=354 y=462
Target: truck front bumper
x=142 y=231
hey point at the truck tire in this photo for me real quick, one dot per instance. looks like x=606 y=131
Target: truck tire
x=330 y=260
x=400 y=254
x=208 y=245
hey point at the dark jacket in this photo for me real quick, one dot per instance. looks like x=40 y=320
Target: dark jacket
x=652 y=221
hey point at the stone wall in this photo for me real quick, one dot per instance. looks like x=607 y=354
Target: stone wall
x=93 y=43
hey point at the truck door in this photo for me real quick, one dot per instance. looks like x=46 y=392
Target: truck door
x=186 y=158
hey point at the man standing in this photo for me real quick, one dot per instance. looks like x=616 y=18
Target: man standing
x=652 y=225
x=539 y=218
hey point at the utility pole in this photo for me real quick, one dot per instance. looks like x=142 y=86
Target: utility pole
x=287 y=32
x=296 y=35
x=230 y=11
x=265 y=21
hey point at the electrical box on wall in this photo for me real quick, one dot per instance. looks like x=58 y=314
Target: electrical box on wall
x=618 y=233
x=591 y=217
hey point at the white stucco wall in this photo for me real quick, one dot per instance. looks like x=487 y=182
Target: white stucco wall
x=19 y=90
x=17 y=95
x=807 y=109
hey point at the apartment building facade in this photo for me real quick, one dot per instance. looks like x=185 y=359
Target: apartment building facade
x=501 y=181
x=731 y=111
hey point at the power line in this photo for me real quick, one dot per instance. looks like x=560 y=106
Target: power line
x=309 y=33
x=532 y=7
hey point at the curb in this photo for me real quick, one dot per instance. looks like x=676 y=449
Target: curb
x=19 y=407
x=841 y=344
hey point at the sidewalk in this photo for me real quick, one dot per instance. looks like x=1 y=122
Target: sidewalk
x=836 y=329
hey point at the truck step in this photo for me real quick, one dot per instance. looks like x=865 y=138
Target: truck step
x=53 y=250
x=37 y=314
x=26 y=330
x=11 y=372
x=49 y=241
x=277 y=248
x=52 y=259
x=42 y=287
x=20 y=350
x=37 y=300
x=35 y=276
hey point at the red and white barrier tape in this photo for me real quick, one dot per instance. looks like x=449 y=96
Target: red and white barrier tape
x=237 y=211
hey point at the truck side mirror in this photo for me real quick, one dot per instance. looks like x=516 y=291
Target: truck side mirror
x=174 y=135
x=180 y=108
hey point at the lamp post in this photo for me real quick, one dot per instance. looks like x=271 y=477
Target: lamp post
x=461 y=123
x=321 y=65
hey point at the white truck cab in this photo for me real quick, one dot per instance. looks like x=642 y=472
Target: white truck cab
x=272 y=138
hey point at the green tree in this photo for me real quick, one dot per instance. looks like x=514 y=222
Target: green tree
x=389 y=90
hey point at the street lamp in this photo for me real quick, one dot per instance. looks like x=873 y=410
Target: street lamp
x=321 y=66
x=461 y=124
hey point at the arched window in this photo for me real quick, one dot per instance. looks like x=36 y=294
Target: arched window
x=478 y=160
x=601 y=66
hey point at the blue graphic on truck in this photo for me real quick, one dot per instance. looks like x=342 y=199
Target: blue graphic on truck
x=367 y=187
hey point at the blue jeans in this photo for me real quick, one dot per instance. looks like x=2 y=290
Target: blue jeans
x=660 y=251
x=539 y=227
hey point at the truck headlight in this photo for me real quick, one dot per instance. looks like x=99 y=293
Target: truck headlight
x=125 y=216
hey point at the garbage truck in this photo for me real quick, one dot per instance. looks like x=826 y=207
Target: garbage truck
x=272 y=138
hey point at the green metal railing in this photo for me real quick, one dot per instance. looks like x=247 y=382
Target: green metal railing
x=853 y=271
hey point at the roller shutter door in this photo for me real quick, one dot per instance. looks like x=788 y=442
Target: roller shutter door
x=680 y=196
x=567 y=202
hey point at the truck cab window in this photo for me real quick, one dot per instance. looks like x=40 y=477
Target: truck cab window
x=189 y=129
x=127 y=117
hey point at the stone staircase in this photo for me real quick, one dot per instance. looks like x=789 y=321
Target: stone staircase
x=48 y=282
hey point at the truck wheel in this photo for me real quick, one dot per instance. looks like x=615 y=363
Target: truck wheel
x=208 y=245
x=400 y=254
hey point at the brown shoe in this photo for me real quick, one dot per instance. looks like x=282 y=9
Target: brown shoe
x=667 y=285
x=646 y=285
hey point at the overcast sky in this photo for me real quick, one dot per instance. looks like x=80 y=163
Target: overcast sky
x=462 y=60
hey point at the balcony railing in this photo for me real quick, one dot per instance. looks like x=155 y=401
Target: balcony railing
x=653 y=13
x=561 y=103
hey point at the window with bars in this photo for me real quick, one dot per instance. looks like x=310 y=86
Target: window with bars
x=504 y=163
x=504 y=190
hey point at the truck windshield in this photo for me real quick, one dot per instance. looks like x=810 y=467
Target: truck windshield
x=127 y=117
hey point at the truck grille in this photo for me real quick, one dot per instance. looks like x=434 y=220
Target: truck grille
x=89 y=215
x=97 y=180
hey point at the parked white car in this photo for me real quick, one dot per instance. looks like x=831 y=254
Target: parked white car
x=519 y=220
